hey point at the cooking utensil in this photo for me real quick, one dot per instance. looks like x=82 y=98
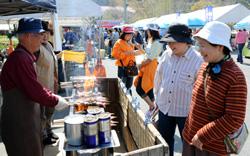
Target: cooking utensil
x=73 y=126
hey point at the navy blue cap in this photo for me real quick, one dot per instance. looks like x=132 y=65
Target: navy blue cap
x=178 y=33
x=32 y=25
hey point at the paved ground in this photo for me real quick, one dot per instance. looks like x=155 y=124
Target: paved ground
x=112 y=72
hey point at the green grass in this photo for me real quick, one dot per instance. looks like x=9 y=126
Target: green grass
x=4 y=42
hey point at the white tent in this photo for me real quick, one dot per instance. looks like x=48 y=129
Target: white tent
x=69 y=12
x=75 y=9
x=78 y=8
x=142 y=23
x=165 y=20
x=6 y=27
x=226 y=14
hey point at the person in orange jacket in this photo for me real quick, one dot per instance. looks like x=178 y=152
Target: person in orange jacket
x=99 y=70
x=144 y=82
x=124 y=52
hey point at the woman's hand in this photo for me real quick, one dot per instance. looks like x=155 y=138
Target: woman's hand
x=131 y=52
x=196 y=142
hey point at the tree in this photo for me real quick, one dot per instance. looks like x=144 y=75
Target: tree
x=201 y=4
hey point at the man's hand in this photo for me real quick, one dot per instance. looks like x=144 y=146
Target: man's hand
x=62 y=103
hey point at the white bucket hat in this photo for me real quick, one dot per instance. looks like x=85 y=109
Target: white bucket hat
x=216 y=32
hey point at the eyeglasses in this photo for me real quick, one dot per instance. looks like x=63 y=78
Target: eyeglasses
x=197 y=46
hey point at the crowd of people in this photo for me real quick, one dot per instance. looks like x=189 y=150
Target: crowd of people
x=197 y=87
x=187 y=83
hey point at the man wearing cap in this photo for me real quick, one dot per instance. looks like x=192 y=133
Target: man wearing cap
x=174 y=80
x=219 y=97
x=47 y=74
x=22 y=94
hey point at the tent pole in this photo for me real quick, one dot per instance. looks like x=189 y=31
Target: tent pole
x=57 y=37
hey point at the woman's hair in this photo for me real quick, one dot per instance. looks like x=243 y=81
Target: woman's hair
x=226 y=51
x=155 y=34
x=123 y=36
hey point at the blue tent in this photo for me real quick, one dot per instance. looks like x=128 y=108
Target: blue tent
x=243 y=24
x=166 y=20
x=18 y=7
x=192 y=22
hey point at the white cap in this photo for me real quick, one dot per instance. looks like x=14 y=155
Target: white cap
x=154 y=27
x=216 y=32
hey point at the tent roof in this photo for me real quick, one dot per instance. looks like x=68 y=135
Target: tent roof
x=15 y=7
x=243 y=24
x=225 y=14
x=65 y=8
x=76 y=11
x=143 y=22
x=246 y=19
x=165 y=20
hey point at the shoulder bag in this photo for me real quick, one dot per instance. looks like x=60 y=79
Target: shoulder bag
x=130 y=70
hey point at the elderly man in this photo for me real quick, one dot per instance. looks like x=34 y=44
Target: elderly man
x=22 y=93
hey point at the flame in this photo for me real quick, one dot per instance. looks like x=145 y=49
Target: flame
x=89 y=83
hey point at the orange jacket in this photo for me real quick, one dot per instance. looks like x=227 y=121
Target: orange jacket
x=147 y=73
x=119 y=48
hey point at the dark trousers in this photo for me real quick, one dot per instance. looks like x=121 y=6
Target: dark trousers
x=167 y=125
x=127 y=80
x=46 y=120
x=240 y=48
x=189 y=150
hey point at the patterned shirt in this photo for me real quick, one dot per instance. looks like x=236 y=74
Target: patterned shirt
x=226 y=98
x=174 y=81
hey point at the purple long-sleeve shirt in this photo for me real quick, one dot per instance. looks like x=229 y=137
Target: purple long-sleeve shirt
x=19 y=72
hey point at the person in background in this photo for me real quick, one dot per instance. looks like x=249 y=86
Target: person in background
x=47 y=74
x=115 y=35
x=23 y=94
x=89 y=48
x=137 y=38
x=219 y=97
x=174 y=80
x=110 y=42
x=144 y=82
x=124 y=52
x=70 y=37
x=240 y=40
